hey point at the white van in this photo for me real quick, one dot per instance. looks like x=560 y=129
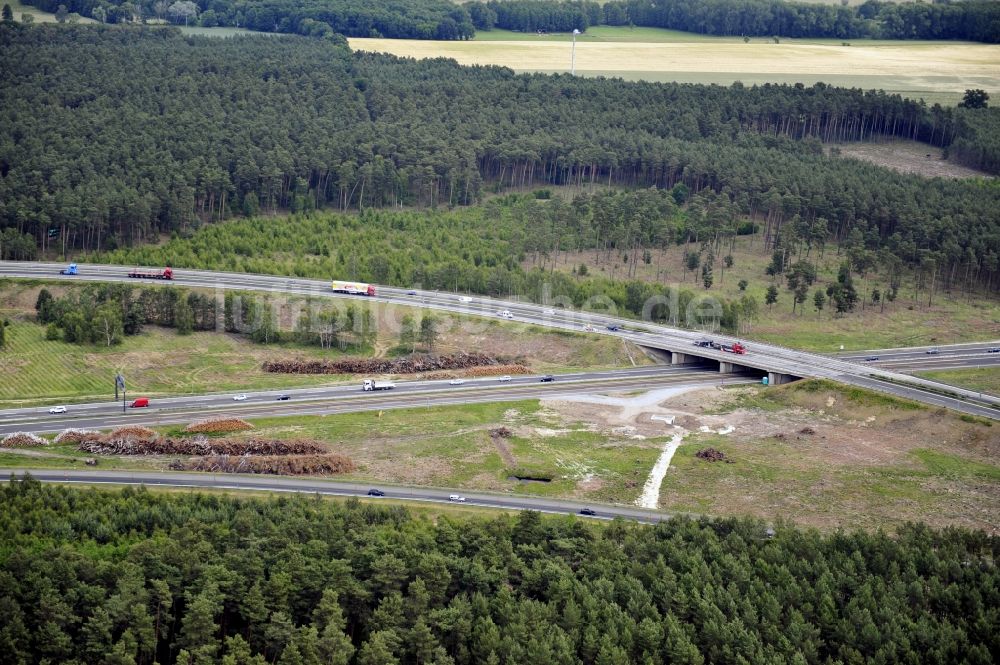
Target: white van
x=456 y=497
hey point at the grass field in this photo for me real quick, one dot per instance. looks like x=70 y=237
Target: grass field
x=935 y=71
x=952 y=317
x=983 y=379
x=40 y=16
x=830 y=457
x=159 y=362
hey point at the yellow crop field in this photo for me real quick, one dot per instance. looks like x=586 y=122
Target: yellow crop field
x=936 y=71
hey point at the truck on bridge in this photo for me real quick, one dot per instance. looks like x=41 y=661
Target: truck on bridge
x=352 y=288
x=735 y=347
x=166 y=273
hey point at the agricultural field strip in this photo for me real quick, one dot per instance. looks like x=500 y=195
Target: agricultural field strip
x=770 y=357
x=353 y=390
x=332 y=488
x=379 y=402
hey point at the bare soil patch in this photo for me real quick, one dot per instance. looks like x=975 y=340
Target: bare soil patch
x=907 y=157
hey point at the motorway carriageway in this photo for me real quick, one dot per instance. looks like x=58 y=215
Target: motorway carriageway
x=950 y=356
x=350 y=398
x=769 y=357
x=332 y=488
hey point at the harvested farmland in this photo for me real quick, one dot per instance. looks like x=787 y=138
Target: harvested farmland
x=284 y=465
x=409 y=365
x=200 y=446
x=214 y=425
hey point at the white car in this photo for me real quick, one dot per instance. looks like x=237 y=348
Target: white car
x=456 y=497
x=549 y=312
x=465 y=299
x=239 y=398
x=457 y=382
x=58 y=409
x=505 y=314
x=504 y=379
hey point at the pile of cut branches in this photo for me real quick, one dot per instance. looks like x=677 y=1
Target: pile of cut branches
x=134 y=432
x=498 y=370
x=201 y=446
x=409 y=365
x=285 y=465
x=22 y=440
x=73 y=435
x=213 y=425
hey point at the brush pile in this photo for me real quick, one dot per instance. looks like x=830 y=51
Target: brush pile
x=215 y=425
x=284 y=465
x=73 y=435
x=134 y=432
x=409 y=365
x=200 y=445
x=22 y=440
x=498 y=370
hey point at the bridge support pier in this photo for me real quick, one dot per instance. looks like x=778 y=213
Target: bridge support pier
x=777 y=378
x=726 y=367
x=678 y=358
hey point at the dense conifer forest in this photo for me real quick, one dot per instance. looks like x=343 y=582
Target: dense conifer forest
x=137 y=577
x=141 y=131
x=975 y=20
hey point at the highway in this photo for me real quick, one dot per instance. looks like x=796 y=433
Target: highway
x=764 y=357
x=350 y=398
x=332 y=488
x=926 y=358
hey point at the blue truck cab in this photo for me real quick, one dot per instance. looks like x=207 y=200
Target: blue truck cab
x=71 y=270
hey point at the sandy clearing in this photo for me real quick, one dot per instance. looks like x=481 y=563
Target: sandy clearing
x=650 y=497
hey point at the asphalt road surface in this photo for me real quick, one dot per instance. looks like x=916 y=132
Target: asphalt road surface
x=765 y=357
x=927 y=358
x=332 y=488
x=348 y=399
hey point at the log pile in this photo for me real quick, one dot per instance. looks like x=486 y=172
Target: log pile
x=285 y=465
x=200 y=446
x=214 y=425
x=409 y=365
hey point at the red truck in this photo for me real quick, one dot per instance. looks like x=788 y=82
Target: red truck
x=166 y=273
x=735 y=347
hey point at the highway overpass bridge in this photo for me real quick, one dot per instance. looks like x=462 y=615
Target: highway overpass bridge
x=780 y=364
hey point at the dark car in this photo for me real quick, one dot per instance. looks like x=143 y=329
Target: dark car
x=590 y=512
x=871 y=359
x=995 y=349
x=548 y=378
x=374 y=492
x=282 y=398
x=933 y=352
x=614 y=327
